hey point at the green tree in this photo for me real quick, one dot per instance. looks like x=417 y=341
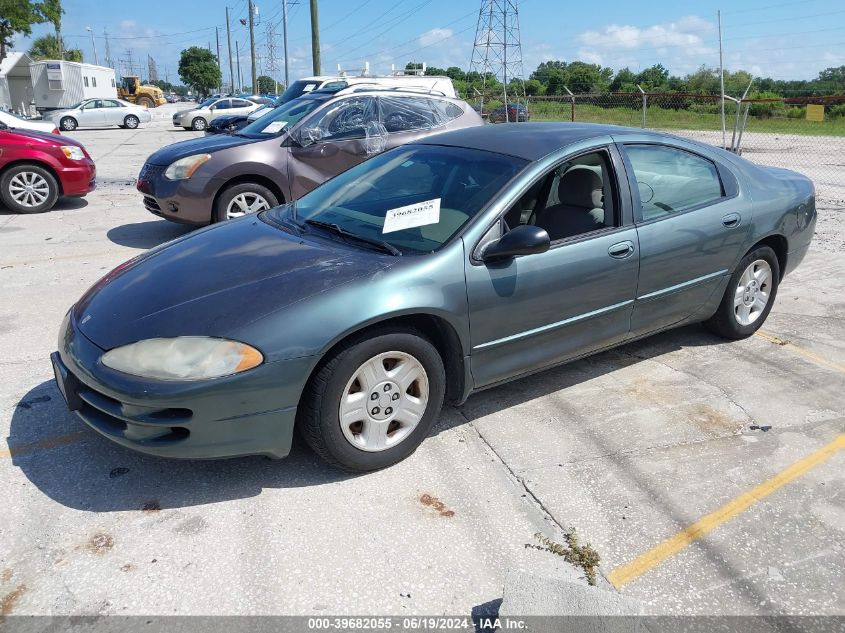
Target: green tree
x=624 y=81
x=52 y=12
x=653 y=78
x=198 y=68
x=47 y=47
x=455 y=74
x=267 y=85
x=533 y=88
x=17 y=16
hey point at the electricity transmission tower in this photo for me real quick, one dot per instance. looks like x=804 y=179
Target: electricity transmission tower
x=152 y=71
x=271 y=56
x=497 y=52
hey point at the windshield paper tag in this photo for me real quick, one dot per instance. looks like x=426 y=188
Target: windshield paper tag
x=274 y=127
x=419 y=214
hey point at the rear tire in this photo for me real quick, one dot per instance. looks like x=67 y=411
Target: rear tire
x=28 y=189
x=749 y=297
x=145 y=102
x=242 y=199
x=131 y=121
x=68 y=124
x=199 y=124
x=356 y=445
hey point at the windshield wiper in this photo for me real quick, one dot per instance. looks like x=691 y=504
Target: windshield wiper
x=339 y=230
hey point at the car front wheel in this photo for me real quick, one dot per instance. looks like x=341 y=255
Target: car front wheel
x=199 y=124
x=131 y=121
x=749 y=297
x=68 y=124
x=373 y=402
x=29 y=189
x=241 y=199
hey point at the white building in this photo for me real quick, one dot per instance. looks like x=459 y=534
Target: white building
x=59 y=84
x=16 y=92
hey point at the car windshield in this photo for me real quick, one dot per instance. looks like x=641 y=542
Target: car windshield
x=274 y=122
x=207 y=103
x=297 y=89
x=414 y=198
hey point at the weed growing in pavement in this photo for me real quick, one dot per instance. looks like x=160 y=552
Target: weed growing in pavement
x=583 y=556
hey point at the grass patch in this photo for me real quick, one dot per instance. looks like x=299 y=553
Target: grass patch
x=671 y=119
x=583 y=556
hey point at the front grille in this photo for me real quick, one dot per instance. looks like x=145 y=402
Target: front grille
x=150 y=172
x=141 y=424
x=151 y=204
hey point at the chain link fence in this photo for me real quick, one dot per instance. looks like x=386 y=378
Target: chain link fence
x=805 y=134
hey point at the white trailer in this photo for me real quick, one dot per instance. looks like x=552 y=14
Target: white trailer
x=60 y=84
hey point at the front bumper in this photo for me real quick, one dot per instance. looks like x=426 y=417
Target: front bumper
x=79 y=178
x=244 y=414
x=184 y=201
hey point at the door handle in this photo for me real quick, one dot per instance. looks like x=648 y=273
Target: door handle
x=731 y=220
x=621 y=250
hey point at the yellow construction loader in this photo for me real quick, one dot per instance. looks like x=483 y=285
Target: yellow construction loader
x=148 y=96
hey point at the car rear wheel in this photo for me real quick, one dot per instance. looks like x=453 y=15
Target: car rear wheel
x=242 y=199
x=374 y=401
x=145 y=102
x=749 y=296
x=68 y=124
x=199 y=124
x=29 y=189
x=131 y=121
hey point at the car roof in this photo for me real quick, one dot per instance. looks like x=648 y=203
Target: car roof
x=530 y=141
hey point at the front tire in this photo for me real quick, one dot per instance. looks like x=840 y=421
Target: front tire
x=131 y=121
x=68 y=124
x=749 y=297
x=145 y=102
x=373 y=402
x=199 y=124
x=242 y=199
x=29 y=189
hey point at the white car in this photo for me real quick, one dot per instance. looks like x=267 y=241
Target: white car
x=99 y=113
x=199 y=117
x=13 y=121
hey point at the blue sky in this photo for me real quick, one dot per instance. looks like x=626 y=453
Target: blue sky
x=779 y=39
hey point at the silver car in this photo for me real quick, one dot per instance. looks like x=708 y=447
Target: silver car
x=99 y=113
x=199 y=117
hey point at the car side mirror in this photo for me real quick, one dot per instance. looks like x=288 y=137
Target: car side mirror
x=3 y=126
x=522 y=240
x=212 y=107
x=309 y=135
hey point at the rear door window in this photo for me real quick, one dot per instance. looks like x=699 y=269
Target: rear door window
x=671 y=180
x=346 y=119
x=403 y=114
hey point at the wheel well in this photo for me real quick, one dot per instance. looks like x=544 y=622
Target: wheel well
x=259 y=180
x=779 y=245
x=68 y=116
x=438 y=332
x=35 y=163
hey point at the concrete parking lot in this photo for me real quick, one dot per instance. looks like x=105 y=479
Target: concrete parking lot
x=708 y=475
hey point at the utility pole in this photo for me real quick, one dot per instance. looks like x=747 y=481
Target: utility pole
x=252 y=43
x=721 y=78
x=238 y=55
x=231 y=68
x=315 y=39
x=220 y=70
x=285 y=36
x=109 y=60
x=93 y=45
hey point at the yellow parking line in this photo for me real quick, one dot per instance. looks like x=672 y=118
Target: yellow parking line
x=621 y=576
x=821 y=360
x=49 y=442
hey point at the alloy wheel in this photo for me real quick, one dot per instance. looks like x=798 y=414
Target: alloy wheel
x=244 y=203
x=29 y=189
x=753 y=292
x=384 y=401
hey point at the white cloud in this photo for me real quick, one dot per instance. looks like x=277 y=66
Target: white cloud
x=684 y=34
x=435 y=36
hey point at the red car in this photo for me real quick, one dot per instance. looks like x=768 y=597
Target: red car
x=37 y=167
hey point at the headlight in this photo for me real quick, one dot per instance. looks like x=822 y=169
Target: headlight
x=73 y=152
x=183 y=358
x=185 y=167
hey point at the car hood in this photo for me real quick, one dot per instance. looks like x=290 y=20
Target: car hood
x=213 y=282
x=202 y=145
x=47 y=138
